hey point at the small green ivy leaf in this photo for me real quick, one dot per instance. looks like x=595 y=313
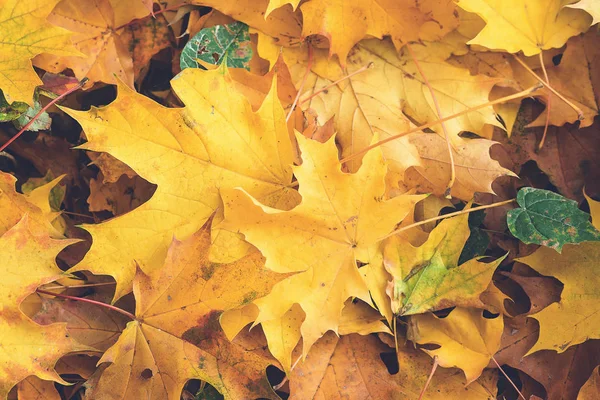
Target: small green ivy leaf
x=212 y=45
x=549 y=219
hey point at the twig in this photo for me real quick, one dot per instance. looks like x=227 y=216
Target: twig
x=510 y=380
x=524 y=93
x=36 y=116
x=81 y=286
x=308 y=68
x=454 y=214
x=286 y=378
x=439 y=115
x=548 y=104
x=77 y=214
x=580 y=115
x=435 y=365
x=98 y=303
x=358 y=71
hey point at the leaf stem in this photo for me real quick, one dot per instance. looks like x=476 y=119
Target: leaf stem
x=308 y=67
x=439 y=115
x=433 y=368
x=358 y=71
x=523 y=93
x=510 y=380
x=47 y=106
x=548 y=104
x=454 y=214
x=98 y=303
x=580 y=115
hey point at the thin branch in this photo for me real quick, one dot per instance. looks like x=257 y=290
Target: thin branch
x=548 y=104
x=394 y=327
x=286 y=378
x=36 y=116
x=80 y=286
x=77 y=214
x=510 y=380
x=358 y=71
x=439 y=115
x=433 y=368
x=98 y=303
x=580 y=115
x=524 y=93
x=454 y=214
x=308 y=68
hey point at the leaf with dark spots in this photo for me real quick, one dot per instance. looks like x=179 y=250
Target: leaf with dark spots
x=549 y=219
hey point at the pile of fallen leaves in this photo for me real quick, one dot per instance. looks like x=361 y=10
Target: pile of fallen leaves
x=302 y=199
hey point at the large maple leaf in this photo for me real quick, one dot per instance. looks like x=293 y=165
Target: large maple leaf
x=24 y=33
x=188 y=153
x=529 y=26
x=339 y=221
x=176 y=335
x=26 y=347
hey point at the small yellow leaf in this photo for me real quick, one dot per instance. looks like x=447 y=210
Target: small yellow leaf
x=466 y=338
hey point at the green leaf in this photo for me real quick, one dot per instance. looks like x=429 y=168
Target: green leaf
x=42 y=122
x=212 y=45
x=549 y=219
x=21 y=114
x=478 y=240
x=10 y=112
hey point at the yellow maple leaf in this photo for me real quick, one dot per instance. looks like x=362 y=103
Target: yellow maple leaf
x=341 y=217
x=176 y=335
x=466 y=338
x=35 y=204
x=345 y=22
x=428 y=277
x=572 y=320
x=28 y=348
x=475 y=169
x=24 y=34
x=188 y=154
x=528 y=26
x=282 y=23
x=93 y=25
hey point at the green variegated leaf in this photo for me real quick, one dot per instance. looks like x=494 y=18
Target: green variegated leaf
x=549 y=219
x=212 y=45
